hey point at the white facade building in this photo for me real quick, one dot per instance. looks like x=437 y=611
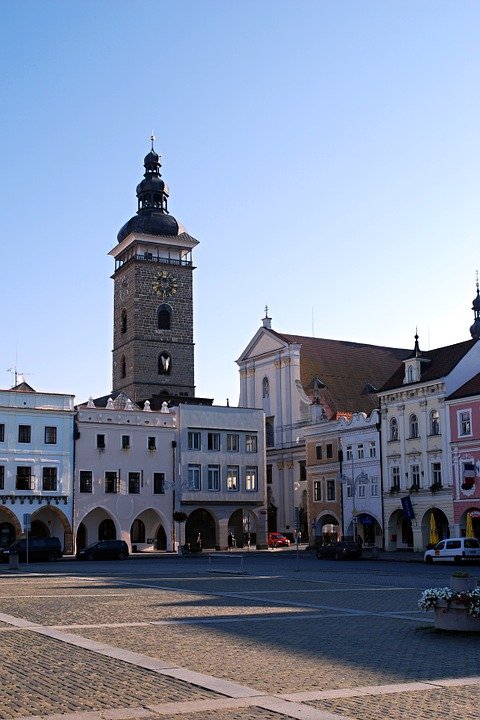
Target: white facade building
x=417 y=471
x=36 y=464
x=124 y=469
x=221 y=475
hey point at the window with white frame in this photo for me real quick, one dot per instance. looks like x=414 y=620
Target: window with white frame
x=349 y=452
x=360 y=451
x=233 y=442
x=374 y=486
x=434 y=422
x=317 y=490
x=213 y=478
x=362 y=490
x=111 y=484
x=393 y=428
x=413 y=426
x=349 y=489
x=24 y=433
x=194 y=440
x=464 y=418
x=415 y=476
x=251 y=479
x=86 y=481
x=159 y=483
x=134 y=483
x=372 y=449
x=437 y=474
x=395 y=477
x=213 y=441
x=50 y=435
x=250 y=443
x=232 y=478
x=331 y=490
x=194 y=478
x=24 y=480
x=49 y=479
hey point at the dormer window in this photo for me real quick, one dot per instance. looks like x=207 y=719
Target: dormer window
x=409 y=373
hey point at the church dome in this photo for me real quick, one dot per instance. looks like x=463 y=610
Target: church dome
x=153 y=223
x=152 y=216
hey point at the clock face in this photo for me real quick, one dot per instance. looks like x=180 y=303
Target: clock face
x=164 y=284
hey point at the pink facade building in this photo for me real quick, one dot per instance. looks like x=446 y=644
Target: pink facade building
x=464 y=417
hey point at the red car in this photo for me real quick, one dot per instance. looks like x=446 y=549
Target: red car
x=277 y=540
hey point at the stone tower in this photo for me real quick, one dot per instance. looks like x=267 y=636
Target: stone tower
x=153 y=351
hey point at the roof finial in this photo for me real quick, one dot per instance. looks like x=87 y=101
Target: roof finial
x=267 y=321
x=152 y=138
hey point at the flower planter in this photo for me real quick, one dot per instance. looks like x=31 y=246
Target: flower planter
x=455 y=617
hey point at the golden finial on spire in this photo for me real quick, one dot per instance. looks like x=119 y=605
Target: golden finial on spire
x=152 y=138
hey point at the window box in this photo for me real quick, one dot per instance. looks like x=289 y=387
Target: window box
x=435 y=487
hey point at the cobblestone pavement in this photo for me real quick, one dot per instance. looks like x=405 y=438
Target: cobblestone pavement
x=149 y=640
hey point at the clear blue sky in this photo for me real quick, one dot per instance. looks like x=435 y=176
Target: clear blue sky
x=325 y=154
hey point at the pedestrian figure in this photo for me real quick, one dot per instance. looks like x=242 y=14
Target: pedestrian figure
x=230 y=541
x=199 y=542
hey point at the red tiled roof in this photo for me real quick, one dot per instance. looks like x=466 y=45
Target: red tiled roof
x=350 y=372
x=441 y=363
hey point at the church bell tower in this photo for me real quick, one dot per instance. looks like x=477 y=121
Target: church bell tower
x=153 y=350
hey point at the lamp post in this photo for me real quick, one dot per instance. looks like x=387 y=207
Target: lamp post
x=352 y=483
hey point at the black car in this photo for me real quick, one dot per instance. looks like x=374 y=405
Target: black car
x=38 y=549
x=344 y=550
x=104 y=550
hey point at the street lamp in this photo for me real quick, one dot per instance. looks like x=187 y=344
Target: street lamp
x=352 y=483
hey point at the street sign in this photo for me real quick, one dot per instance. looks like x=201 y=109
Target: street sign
x=27 y=522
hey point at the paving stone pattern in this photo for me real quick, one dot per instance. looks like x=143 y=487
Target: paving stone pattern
x=437 y=704
x=221 y=638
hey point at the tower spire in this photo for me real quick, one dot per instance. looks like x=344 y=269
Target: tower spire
x=475 y=328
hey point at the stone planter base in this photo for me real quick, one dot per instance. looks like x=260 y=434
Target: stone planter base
x=456 y=618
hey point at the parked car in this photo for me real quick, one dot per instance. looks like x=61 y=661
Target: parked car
x=342 y=550
x=277 y=540
x=104 y=550
x=455 y=550
x=38 y=549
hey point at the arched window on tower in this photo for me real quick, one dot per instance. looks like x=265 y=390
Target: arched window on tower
x=124 y=321
x=394 y=429
x=164 y=364
x=164 y=317
x=124 y=367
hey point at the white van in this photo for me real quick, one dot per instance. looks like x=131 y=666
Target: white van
x=454 y=550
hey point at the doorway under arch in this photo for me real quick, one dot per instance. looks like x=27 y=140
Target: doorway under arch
x=7 y=534
x=326 y=529
x=39 y=529
x=107 y=530
x=81 y=537
x=137 y=532
x=200 y=522
x=441 y=524
x=161 y=539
